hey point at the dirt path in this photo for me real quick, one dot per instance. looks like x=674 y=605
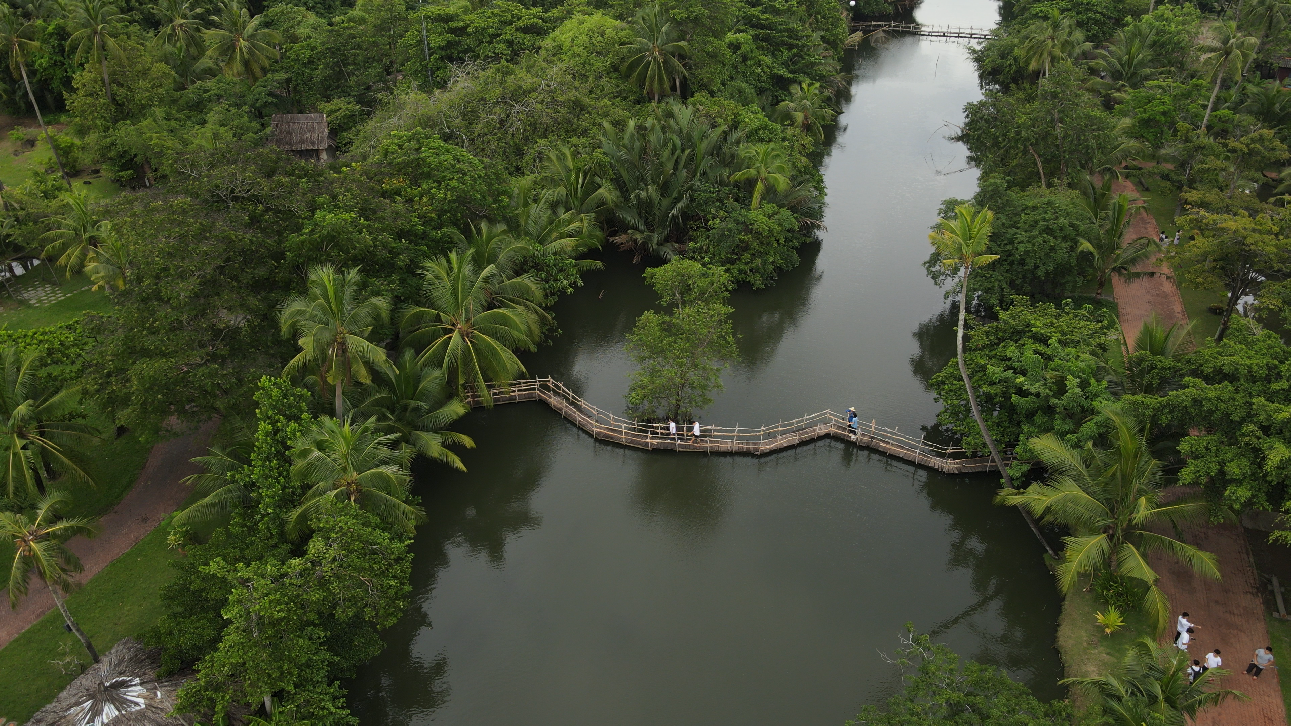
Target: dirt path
x=1230 y=616
x=1138 y=299
x=156 y=494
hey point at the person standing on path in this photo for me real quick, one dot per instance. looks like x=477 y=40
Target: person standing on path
x=1263 y=659
x=1195 y=670
x=1213 y=660
x=1181 y=626
x=672 y=429
x=1184 y=639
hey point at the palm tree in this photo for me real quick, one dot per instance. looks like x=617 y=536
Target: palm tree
x=75 y=234
x=238 y=44
x=657 y=50
x=15 y=35
x=808 y=109
x=108 y=265
x=1051 y=40
x=220 y=490
x=39 y=549
x=1126 y=367
x=536 y=221
x=572 y=183
x=38 y=435
x=1153 y=687
x=180 y=29
x=1229 y=49
x=1128 y=62
x=766 y=165
x=473 y=319
x=1267 y=17
x=961 y=241
x=347 y=462
x=94 y=23
x=1109 y=253
x=332 y=330
x=1269 y=103
x=1111 y=501
x=414 y=402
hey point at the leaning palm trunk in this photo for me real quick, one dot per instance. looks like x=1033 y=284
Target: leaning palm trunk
x=71 y=623
x=977 y=413
x=1213 y=95
x=107 y=85
x=50 y=139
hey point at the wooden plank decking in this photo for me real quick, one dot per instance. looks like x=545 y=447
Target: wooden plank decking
x=927 y=31
x=606 y=426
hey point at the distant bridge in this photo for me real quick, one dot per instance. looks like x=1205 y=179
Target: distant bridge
x=930 y=31
x=768 y=439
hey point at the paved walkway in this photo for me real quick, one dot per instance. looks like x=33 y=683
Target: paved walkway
x=156 y=494
x=1138 y=299
x=1230 y=616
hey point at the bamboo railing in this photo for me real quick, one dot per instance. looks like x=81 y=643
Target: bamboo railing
x=928 y=31
x=606 y=426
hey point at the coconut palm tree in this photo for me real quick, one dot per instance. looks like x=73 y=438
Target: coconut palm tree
x=472 y=321
x=572 y=183
x=94 y=24
x=332 y=329
x=414 y=402
x=1109 y=254
x=1111 y=501
x=75 y=233
x=1127 y=62
x=961 y=241
x=16 y=37
x=657 y=50
x=808 y=109
x=1153 y=687
x=537 y=221
x=221 y=492
x=39 y=549
x=342 y=461
x=1051 y=40
x=1266 y=18
x=1268 y=102
x=1228 y=51
x=238 y=44
x=108 y=265
x=1129 y=373
x=767 y=166
x=39 y=436
x=181 y=26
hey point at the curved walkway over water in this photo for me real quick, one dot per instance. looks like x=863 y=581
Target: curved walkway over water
x=766 y=439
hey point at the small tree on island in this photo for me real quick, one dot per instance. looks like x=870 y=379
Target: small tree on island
x=680 y=353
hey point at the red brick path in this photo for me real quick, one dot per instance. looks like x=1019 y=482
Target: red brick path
x=1138 y=299
x=156 y=494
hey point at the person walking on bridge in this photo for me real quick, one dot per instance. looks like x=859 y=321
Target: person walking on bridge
x=694 y=439
x=852 y=418
x=672 y=429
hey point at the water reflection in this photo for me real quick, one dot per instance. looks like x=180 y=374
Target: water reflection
x=763 y=318
x=936 y=339
x=684 y=494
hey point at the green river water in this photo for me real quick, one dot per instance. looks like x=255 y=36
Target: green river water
x=566 y=581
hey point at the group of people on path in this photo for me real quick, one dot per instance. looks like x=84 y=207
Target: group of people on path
x=1184 y=630
x=694 y=431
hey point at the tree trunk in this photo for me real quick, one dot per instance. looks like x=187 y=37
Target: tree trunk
x=977 y=412
x=1102 y=283
x=1227 y=318
x=1210 y=106
x=32 y=97
x=1038 y=165
x=67 y=616
x=425 y=48
x=107 y=87
x=340 y=399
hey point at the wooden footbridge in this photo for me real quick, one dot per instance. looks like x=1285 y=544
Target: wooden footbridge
x=928 y=31
x=606 y=426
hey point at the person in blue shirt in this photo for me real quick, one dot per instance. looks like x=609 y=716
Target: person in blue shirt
x=852 y=418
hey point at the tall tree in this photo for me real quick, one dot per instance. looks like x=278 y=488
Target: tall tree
x=1111 y=499
x=332 y=328
x=1229 y=49
x=1051 y=40
x=657 y=51
x=39 y=549
x=353 y=463
x=16 y=36
x=40 y=436
x=181 y=26
x=765 y=165
x=1109 y=253
x=961 y=241
x=473 y=318
x=809 y=108
x=94 y=24
x=1128 y=61
x=413 y=401
x=75 y=233
x=238 y=44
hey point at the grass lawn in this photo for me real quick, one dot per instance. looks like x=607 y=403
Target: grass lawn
x=1086 y=651
x=1280 y=635
x=122 y=600
x=19 y=314
x=1197 y=303
x=15 y=168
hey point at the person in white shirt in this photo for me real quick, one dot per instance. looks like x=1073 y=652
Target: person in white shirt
x=672 y=428
x=1181 y=626
x=1195 y=670
x=1213 y=660
x=696 y=433
x=1184 y=638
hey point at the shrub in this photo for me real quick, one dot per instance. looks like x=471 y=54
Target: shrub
x=1118 y=591
x=63 y=348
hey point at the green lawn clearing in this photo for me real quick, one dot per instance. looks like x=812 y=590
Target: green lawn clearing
x=1087 y=652
x=33 y=309
x=122 y=600
x=17 y=159
x=1280 y=635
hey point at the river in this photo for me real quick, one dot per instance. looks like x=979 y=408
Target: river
x=566 y=581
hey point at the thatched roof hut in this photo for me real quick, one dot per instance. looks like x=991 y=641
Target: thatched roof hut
x=121 y=690
x=305 y=135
